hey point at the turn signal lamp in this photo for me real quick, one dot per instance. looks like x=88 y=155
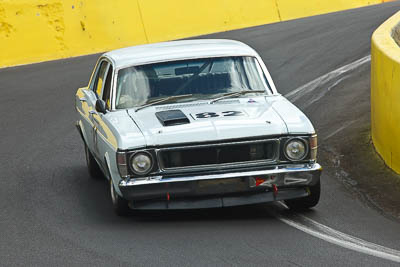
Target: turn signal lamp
x=313 y=147
x=122 y=165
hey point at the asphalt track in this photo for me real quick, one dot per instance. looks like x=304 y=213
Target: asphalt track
x=53 y=214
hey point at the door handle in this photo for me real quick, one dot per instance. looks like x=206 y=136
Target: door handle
x=93 y=112
x=82 y=99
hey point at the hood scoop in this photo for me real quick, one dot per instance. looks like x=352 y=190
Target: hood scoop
x=172 y=117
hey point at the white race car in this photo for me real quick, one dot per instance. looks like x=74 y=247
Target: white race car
x=195 y=124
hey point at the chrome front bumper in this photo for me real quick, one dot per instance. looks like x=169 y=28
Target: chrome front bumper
x=275 y=180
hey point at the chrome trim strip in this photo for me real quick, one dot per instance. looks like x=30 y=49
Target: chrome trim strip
x=220 y=166
x=277 y=170
x=184 y=59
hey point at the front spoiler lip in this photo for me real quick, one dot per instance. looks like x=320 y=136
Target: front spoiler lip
x=277 y=170
x=219 y=201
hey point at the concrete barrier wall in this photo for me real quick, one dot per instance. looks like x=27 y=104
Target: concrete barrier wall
x=385 y=92
x=39 y=30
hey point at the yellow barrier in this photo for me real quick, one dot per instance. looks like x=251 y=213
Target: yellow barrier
x=167 y=20
x=38 y=30
x=385 y=92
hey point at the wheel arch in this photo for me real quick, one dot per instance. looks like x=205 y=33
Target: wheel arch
x=81 y=131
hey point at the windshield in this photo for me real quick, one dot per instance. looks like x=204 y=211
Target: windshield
x=201 y=78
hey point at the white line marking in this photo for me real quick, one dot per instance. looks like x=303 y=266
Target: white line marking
x=324 y=79
x=336 y=237
x=321 y=93
x=308 y=225
x=347 y=124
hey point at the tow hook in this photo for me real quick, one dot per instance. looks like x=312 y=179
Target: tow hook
x=275 y=188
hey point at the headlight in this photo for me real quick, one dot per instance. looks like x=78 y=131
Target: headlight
x=141 y=163
x=296 y=149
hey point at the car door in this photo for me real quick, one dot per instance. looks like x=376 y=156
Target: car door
x=85 y=103
x=93 y=93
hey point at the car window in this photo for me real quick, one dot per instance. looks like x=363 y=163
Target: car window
x=99 y=79
x=107 y=88
x=202 y=78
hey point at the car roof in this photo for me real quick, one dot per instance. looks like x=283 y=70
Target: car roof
x=177 y=50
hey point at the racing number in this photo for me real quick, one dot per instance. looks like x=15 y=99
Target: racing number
x=232 y=113
x=206 y=115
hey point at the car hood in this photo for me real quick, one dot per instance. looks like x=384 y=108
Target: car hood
x=223 y=120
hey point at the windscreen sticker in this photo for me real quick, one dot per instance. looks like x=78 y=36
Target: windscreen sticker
x=207 y=115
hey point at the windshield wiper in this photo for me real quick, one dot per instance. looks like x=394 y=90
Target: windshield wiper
x=162 y=100
x=228 y=95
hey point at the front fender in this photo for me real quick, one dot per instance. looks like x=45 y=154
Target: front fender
x=112 y=172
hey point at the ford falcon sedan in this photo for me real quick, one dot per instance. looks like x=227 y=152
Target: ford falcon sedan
x=195 y=124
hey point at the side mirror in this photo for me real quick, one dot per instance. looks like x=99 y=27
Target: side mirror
x=101 y=106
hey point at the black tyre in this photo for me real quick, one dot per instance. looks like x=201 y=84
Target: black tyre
x=120 y=205
x=93 y=168
x=308 y=202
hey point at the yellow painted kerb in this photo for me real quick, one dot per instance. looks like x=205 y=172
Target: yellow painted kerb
x=385 y=93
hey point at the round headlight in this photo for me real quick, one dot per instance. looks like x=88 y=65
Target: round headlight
x=295 y=149
x=141 y=163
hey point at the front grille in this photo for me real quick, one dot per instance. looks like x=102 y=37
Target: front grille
x=219 y=155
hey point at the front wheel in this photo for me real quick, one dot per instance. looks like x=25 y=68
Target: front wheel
x=120 y=205
x=307 y=202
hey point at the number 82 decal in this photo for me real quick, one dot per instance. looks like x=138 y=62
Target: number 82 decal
x=206 y=115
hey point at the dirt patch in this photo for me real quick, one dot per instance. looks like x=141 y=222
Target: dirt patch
x=342 y=120
x=354 y=161
x=396 y=34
